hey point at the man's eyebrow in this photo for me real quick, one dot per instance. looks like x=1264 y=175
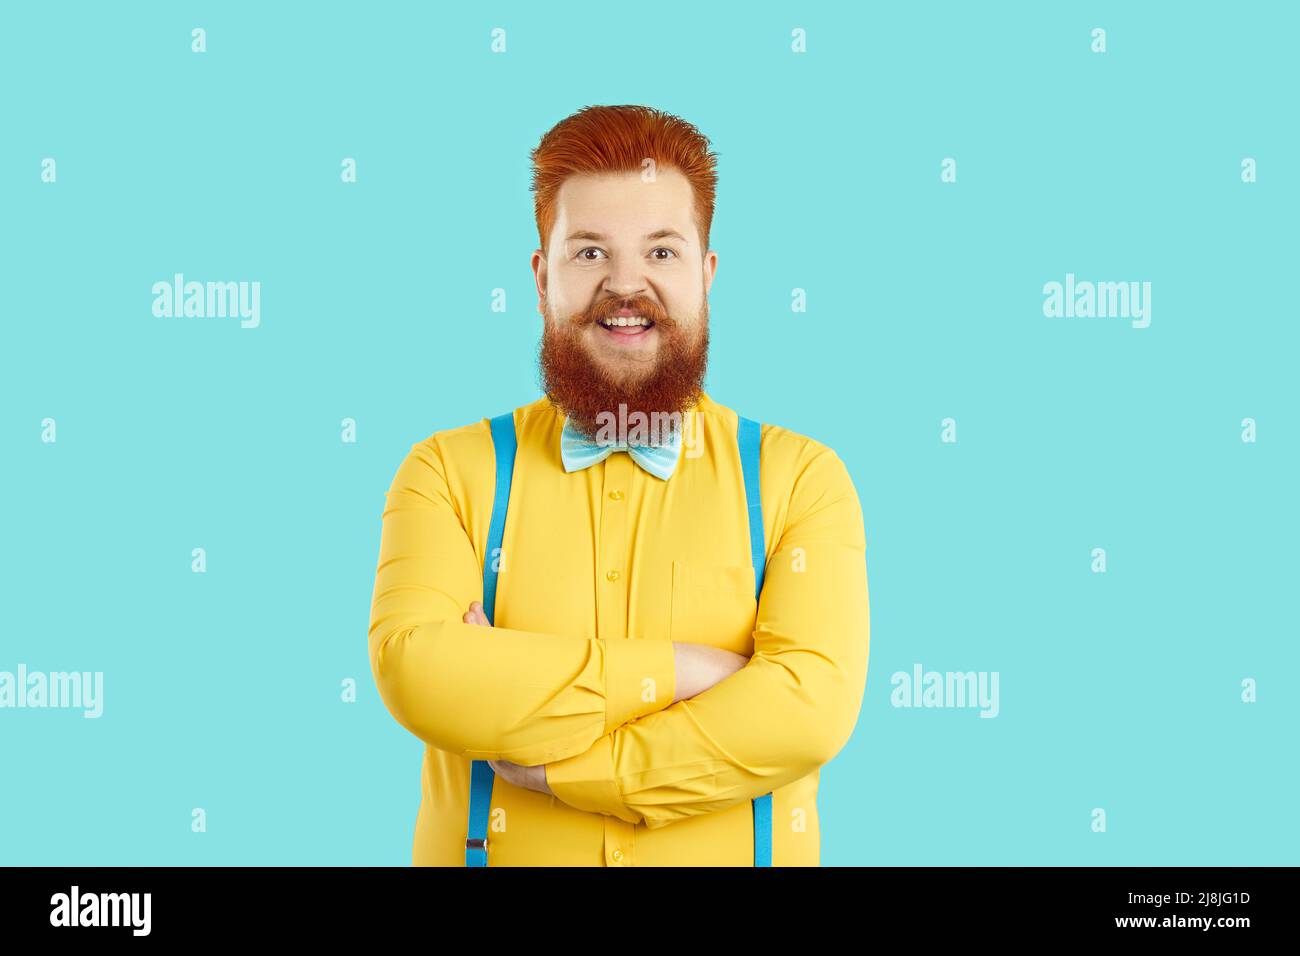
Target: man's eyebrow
x=657 y=234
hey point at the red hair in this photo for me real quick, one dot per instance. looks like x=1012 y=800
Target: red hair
x=608 y=139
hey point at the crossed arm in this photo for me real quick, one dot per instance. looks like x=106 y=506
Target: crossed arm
x=499 y=694
x=574 y=706
x=697 y=668
x=787 y=711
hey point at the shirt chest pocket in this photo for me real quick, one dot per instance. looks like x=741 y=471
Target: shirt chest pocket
x=714 y=604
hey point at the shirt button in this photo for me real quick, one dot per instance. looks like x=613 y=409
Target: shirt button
x=616 y=496
x=612 y=575
x=618 y=856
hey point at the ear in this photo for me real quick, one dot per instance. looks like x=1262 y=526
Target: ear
x=538 y=264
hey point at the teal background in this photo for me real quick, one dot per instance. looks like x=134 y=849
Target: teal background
x=1119 y=691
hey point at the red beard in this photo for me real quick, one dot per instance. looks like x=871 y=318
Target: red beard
x=580 y=388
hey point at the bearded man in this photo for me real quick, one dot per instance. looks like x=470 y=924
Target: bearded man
x=628 y=623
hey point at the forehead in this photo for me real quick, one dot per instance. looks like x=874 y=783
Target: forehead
x=615 y=203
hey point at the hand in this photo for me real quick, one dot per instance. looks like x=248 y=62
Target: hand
x=699 y=666
x=530 y=778
x=475 y=614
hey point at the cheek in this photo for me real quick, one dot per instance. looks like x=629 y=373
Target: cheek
x=572 y=288
x=685 y=301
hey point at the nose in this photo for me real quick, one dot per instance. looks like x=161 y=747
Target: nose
x=625 y=279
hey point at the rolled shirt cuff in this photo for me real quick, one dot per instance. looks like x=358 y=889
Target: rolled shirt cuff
x=586 y=781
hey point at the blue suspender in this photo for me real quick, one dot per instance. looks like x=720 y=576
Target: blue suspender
x=481 y=776
x=749 y=439
x=503 y=440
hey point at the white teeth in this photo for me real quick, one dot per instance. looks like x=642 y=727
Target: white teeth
x=626 y=320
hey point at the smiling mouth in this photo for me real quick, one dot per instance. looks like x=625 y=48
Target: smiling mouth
x=627 y=326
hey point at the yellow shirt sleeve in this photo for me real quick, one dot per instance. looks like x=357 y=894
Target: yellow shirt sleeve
x=782 y=715
x=486 y=693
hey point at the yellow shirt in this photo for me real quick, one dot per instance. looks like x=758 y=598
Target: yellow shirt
x=601 y=569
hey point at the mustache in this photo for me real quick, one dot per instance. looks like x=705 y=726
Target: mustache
x=638 y=304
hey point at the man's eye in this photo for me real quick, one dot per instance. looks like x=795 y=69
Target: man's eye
x=582 y=253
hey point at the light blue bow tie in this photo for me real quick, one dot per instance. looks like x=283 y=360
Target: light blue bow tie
x=577 y=451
